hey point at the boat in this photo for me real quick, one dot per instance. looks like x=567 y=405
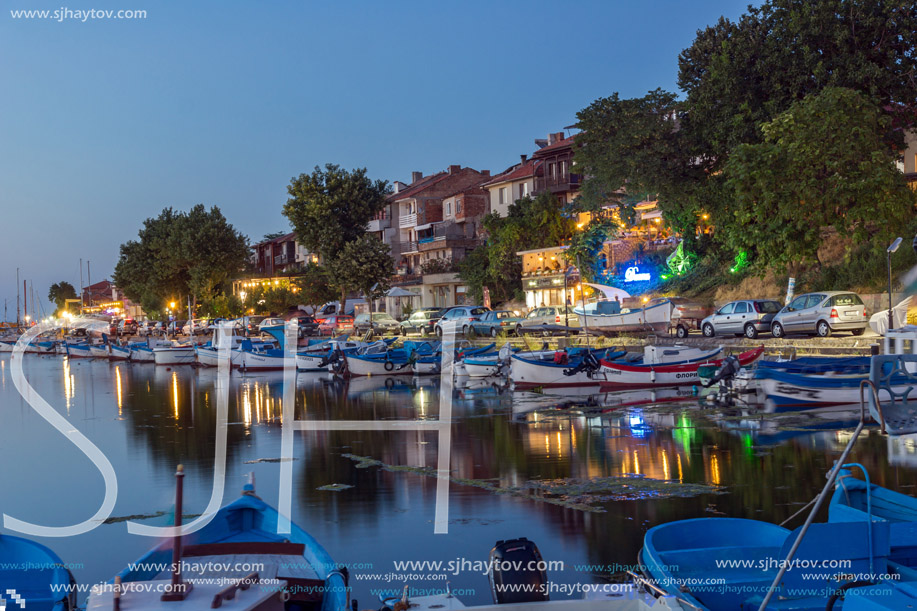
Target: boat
x=393 y=362
x=7 y=345
x=98 y=351
x=781 y=391
x=78 y=350
x=174 y=354
x=616 y=375
x=744 y=558
x=293 y=570
x=208 y=355
x=608 y=318
x=558 y=368
x=34 y=577
x=819 y=364
x=488 y=365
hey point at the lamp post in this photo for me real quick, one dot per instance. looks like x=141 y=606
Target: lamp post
x=888 y=258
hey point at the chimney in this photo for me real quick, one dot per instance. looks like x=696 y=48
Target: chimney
x=523 y=158
x=454 y=169
x=415 y=176
x=558 y=136
x=552 y=138
x=485 y=172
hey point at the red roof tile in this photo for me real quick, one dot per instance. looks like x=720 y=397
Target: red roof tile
x=517 y=172
x=566 y=142
x=415 y=188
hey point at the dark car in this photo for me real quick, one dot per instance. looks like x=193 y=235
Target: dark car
x=307 y=325
x=496 y=322
x=422 y=321
x=379 y=322
x=251 y=324
x=460 y=318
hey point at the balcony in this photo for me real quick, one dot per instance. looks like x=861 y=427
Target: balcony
x=407 y=220
x=378 y=225
x=282 y=260
x=409 y=248
x=557 y=184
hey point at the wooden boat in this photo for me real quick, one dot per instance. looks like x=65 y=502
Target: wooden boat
x=174 y=354
x=36 y=575
x=7 y=345
x=396 y=362
x=605 y=320
x=781 y=391
x=79 y=350
x=743 y=556
x=627 y=376
x=548 y=368
x=295 y=572
x=489 y=364
x=819 y=365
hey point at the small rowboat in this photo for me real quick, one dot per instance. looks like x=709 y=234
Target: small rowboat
x=782 y=391
x=622 y=376
x=36 y=575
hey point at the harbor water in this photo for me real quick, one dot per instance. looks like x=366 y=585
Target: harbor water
x=581 y=476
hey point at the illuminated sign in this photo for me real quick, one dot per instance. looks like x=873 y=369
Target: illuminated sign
x=633 y=275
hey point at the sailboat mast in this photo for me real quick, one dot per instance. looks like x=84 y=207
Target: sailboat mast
x=17 y=297
x=82 y=304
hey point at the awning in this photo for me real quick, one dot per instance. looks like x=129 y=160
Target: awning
x=610 y=291
x=653 y=214
x=422 y=227
x=400 y=292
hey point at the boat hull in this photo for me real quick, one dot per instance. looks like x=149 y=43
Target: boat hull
x=257 y=361
x=482 y=368
x=78 y=351
x=174 y=356
x=620 y=376
x=210 y=357
x=360 y=366
x=533 y=372
x=781 y=391
x=142 y=354
x=655 y=319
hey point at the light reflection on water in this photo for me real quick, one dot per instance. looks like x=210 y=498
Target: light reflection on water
x=147 y=419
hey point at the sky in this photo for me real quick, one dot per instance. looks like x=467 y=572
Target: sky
x=105 y=122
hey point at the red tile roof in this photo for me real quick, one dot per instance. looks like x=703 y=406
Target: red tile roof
x=415 y=188
x=566 y=142
x=516 y=172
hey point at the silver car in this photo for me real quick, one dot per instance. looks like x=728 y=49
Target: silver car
x=547 y=318
x=747 y=317
x=822 y=313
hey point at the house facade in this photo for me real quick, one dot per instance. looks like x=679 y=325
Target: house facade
x=512 y=184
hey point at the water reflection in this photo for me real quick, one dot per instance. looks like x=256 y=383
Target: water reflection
x=148 y=419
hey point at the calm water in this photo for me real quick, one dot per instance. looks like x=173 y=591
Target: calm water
x=148 y=419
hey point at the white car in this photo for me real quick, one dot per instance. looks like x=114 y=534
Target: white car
x=270 y=322
x=195 y=327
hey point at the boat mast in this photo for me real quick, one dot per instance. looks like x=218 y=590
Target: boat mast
x=82 y=305
x=25 y=300
x=89 y=280
x=17 y=297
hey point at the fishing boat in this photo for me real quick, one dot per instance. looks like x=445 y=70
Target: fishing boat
x=812 y=365
x=7 y=345
x=625 y=376
x=142 y=352
x=98 y=351
x=781 y=391
x=293 y=570
x=33 y=577
x=174 y=354
x=392 y=362
x=607 y=318
x=208 y=355
x=78 y=350
x=489 y=364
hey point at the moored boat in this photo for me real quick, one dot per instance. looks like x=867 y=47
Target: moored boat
x=628 y=376
x=78 y=350
x=781 y=391
x=174 y=354
x=36 y=575
x=608 y=318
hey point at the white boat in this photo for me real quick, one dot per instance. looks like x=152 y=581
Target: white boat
x=315 y=356
x=7 y=345
x=208 y=355
x=607 y=318
x=119 y=353
x=98 y=351
x=263 y=359
x=625 y=376
x=78 y=351
x=488 y=365
x=391 y=363
x=175 y=354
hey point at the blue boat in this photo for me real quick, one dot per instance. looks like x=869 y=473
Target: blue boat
x=241 y=535
x=36 y=575
x=730 y=563
x=783 y=391
x=819 y=364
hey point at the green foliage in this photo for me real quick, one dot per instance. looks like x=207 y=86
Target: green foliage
x=365 y=264
x=178 y=254
x=60 y=292
x=223 y=305
x=331 y=207
x=807 y=178
x=272 y=236
x=586 y=245
x=315 y=286
x=680 y=261
x=437 y=266
x=270 y=299
x=529 y=223
x=741 y=264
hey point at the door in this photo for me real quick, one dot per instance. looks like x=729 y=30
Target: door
x=723 y=319
x=795 y=310
x=809 y=316
x=740 y=317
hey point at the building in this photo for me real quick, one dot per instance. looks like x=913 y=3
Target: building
x=554 y=172
x=107 y=299
x=280 y=255
x=512 y=184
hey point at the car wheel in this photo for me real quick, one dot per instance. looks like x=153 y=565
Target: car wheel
x=858 y=331
x=423 y=331
x=681 y=331
x=493 y=332
x=519 y=331
x=465 y=330
x=823 y=329
x=439 y=331
x=708 y=330
x=751 y=332
x=545 y=332
x=777 y=330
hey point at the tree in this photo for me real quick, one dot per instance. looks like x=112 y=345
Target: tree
x=315 y=286
x=330 y=208
x=180 y=253
x=60 y=292
x=364 y=264
x=822 y=163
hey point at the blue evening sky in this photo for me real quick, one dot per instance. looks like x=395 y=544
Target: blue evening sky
x=104 y=123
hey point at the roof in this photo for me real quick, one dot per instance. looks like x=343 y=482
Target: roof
x=516 y=172
x=418 y=187
x=566 y=142
x=284 y=238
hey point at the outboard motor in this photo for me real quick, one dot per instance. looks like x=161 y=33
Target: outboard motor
x=517 y=572
x=726 y=372
x=588 y=363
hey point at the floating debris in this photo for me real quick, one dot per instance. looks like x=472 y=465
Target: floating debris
x=334 y=487
x=146 y=516
x=268 y=460
x=573 y=493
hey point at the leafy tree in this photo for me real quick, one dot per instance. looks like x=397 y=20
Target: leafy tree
x=330 y=208
x=364 y=264
x=60 y=292
x=806 y=178
x=437 y=266
x=315 y=286
x=272 y=236
x=180 y=253
x=223 y=305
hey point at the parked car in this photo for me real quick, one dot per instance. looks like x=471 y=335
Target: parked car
x=250 y=323
x=379 y=322
x=150 y=327
x=687 y=314
x=495 y=322
x=823 y=314
x=307 y=325
x=332 y=308
x=421 y=321
x=197 y=326
x=270 y=322
x=175 y=327
x=461 y=317
x=336 y=323
x=127 y=326
x=745 y=317
x=546 y=318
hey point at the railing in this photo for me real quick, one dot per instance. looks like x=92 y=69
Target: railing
x=408 y=248
x=282 y=259
x=378 y=224
x=563 y=182
x=407 y=220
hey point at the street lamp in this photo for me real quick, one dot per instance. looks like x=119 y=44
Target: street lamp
x=888 y=257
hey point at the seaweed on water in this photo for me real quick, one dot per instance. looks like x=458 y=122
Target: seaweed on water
x=334 y=487
x=146 y=516
x=581 y=494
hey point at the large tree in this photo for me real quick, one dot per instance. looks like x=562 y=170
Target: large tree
x=315 y=286
x=179 y=254
x=329 y=210
x=60 y=292
x=823 y=163
x=364 y=264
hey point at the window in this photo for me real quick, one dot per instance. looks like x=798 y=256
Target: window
x=727 y=309
x=848 y=299
x=798 y=303
x=523 y=190
x=504 y=196
x=741 y=308
x=448 y=208
x=563 y=168
x=814 y=300
x=458 y=206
